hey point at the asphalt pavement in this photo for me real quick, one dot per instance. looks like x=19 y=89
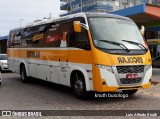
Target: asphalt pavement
x=42 y=95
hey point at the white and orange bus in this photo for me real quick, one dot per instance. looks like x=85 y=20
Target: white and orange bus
x=85 y=51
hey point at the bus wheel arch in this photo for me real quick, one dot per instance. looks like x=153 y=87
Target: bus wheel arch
x=23 y=73
x=78 y=84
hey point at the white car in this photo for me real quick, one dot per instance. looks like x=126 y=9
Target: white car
x=3 y=62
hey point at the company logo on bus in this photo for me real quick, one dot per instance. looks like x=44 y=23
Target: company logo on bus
x=33 y=54
x=130 y=60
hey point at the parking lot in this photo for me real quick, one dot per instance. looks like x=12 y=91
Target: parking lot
x=41 y=95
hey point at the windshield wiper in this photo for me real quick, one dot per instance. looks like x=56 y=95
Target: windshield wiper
x=135 y=43
x=116 y=43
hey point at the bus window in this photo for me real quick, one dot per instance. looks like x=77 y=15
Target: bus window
x=11 y=39
x=80 y=40
x=65 y=34
x=17 y=38
x=41 y=28
x=52 y=37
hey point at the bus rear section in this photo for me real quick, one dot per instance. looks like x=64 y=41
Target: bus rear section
x=87 y=52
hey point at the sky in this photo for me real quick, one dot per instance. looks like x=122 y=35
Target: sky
x=16 y=13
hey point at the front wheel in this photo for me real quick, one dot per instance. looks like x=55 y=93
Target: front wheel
x=23 y=74
x=130 y=92
x=78 y=85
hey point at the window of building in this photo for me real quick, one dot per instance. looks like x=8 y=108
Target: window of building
x=131 y=4
x=117 y=3
x=150 y=1
x=100 y=10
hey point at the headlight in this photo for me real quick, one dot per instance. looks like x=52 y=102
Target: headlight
x=148 y=67
x=108 y=68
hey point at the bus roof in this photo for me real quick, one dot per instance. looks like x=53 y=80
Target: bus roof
x=82 y=14
x=107 y=15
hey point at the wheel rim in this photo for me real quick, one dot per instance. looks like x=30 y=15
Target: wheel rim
x=78 y=84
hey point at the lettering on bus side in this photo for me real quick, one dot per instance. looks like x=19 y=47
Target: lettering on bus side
x=33 y=54
x=130 y=60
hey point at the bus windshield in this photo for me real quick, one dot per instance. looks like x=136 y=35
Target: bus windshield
x=112 y=33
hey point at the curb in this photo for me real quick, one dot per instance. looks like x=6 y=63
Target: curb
x=156 y=68
x=155 y=82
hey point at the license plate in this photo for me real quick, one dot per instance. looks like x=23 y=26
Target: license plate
x=131 y=76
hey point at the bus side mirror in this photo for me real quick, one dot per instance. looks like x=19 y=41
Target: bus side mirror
x=77 y=26
x=142 y=30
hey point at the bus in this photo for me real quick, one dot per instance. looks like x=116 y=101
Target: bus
x=89 y=52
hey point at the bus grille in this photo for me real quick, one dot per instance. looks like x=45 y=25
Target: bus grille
x=130 y=81
x=130 y=69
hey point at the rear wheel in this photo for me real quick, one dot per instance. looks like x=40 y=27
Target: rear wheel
x=130 y=92
x=23 y=74
x=78 y=85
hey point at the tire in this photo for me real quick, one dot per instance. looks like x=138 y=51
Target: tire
x=23 y=75
x=78 y=85
x=130 y=92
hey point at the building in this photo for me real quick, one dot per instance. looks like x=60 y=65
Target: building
x=104 y=6
x=149 y=16
x=3 y=44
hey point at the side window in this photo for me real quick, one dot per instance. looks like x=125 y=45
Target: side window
x=52 y=37
x=29 y=37
x=17 y=38
x=26 y=37
x=66 y=33
x=40 y=34
x=11 y=39
x=81 y=40
x=36 y=36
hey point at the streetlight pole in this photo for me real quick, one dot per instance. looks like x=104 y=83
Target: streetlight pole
x=20 y=21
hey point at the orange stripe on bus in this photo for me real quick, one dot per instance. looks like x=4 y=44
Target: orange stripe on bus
x=77 y=56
